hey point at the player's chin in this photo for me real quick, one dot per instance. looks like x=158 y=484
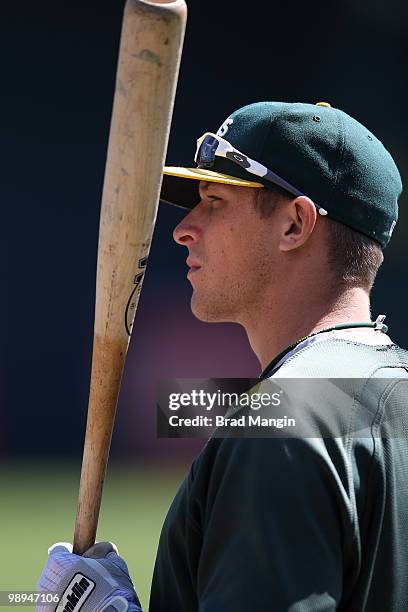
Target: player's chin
x=206 y=311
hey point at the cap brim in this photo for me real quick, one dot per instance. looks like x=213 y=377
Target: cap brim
x=180 y=192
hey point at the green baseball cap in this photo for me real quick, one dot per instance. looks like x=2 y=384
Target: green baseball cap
x=309 y=149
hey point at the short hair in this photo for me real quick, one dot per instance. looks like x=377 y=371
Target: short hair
x=353 y=258
x=267 y=199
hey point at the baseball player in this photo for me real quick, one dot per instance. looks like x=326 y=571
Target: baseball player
x=291 y=206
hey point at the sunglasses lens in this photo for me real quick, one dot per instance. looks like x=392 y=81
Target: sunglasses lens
x=206 y=152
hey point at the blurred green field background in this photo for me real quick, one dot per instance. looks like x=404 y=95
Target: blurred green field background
x=38 y=506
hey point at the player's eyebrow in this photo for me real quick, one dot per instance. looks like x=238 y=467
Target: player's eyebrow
x=203 y=190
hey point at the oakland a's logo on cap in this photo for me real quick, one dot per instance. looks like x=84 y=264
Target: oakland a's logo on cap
x=225 y=127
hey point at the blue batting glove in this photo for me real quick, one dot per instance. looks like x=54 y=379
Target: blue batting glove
x=96 y=582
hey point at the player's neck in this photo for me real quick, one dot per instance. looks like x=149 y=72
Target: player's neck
x=277 y=325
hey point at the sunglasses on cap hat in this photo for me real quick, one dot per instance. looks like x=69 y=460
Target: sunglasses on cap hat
x=210 y=146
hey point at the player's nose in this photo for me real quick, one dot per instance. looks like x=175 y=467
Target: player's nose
x=188 y=230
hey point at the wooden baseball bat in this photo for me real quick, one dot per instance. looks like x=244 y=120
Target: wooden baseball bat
x=149 y=59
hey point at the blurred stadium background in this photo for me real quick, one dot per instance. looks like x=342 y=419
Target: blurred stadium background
x=57 y=67
x=38 y=506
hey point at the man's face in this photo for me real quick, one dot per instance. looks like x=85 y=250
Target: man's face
x=231 y=252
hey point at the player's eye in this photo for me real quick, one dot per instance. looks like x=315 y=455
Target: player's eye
x=214 y=199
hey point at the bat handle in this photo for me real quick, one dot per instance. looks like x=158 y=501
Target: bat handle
x=89 y=502
x=107 y=368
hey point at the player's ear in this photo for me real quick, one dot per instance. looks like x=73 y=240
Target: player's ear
x=299 y=219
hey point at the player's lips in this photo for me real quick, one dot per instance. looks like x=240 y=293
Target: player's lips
x=193 y=265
